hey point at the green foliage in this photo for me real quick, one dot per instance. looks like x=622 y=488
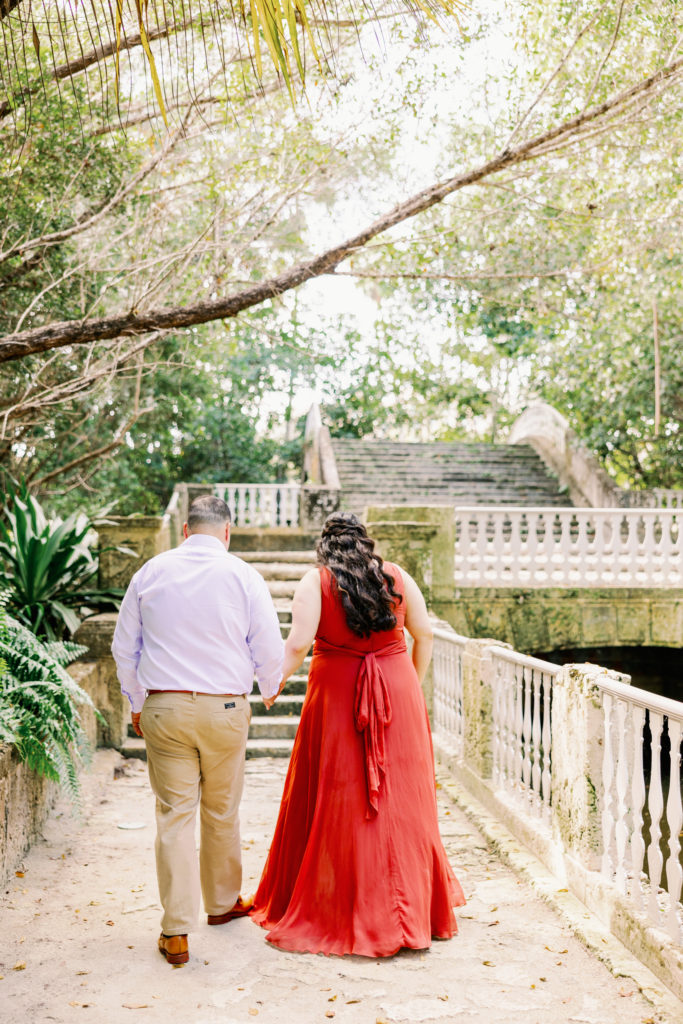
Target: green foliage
x=47 y=567
x=40 y=702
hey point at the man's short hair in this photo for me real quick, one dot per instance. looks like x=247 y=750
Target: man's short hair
x=208 y=511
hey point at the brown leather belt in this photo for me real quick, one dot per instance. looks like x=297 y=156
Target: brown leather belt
x=200 y=693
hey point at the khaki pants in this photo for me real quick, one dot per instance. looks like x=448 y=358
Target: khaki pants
x=195 y=752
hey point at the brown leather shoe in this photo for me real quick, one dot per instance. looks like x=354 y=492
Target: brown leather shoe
x=241 y=909
x=174 y=948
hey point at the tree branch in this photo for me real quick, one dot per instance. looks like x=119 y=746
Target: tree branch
x=41 y=339
x=96 y=452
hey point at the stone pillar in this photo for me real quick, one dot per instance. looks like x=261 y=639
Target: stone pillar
x=422 y=540
x=577 y=724
x=478 y=703
x=316 y=504
x=95 y=671
x=142 y=536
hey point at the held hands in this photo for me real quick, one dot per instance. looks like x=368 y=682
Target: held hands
x=269 y=701
x=135 y=719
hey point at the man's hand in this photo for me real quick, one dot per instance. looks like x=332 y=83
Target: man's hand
x=135 y=719
x=269 y=701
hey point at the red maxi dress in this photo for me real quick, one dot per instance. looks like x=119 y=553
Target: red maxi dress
x=357 y=864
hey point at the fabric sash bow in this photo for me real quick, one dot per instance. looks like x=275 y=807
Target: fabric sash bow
x=372 y=710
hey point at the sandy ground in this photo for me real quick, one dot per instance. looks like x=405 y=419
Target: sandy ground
x=78 y=935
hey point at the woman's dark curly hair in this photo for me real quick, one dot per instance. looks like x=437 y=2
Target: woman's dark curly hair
x=366 y=590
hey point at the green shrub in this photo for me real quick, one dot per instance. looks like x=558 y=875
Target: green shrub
x=40 y=702
x=48 y=568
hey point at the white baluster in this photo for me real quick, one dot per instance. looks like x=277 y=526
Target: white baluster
x=582 y=547
x=517 y=728
x=634 y=560
x=499 y=562
x=674 y=814
x=482 y=526
x=497 y=711
x=649 y=562
x=525 y=676
x=638 y=800
x=607 y=779
x=534 y=524
x=536 y=741
x=546 y=777
x=515 y=545
x=548 y=546
x=655 y=806
x=621 y=828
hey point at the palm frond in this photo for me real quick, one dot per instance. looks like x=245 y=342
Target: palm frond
x=174 y=37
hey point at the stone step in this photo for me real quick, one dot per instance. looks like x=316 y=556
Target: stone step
x=282 y=588
x=273 y=727
x=281 y=570
x=245 y=539
x=287 y=705
x=405 y=473
x=134 y=747
x=269 y=748
x=289 y=557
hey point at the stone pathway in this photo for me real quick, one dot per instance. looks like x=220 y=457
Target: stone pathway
x=78 y=937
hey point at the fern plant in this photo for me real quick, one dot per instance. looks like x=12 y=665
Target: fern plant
x=40 y=703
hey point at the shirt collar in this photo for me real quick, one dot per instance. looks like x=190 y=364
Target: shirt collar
x=205 y=540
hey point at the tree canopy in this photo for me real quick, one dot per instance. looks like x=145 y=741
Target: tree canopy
x=507 y=196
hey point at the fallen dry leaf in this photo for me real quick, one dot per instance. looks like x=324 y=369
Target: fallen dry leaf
x=110 y=923
x=253 y=1011
x=135 y=1006
x=78 y=973
x=331 y=999
x=330 y=1013
x=20 y=965
x=20 y=874
x=487 y=963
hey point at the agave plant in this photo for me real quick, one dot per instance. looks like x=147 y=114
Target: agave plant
x=40 y=703
x=48 y=567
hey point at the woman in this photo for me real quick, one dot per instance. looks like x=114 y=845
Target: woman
x=357 y=864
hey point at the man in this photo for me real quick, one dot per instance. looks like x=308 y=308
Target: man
x=195 y=627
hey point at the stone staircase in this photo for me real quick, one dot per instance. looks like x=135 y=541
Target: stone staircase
x=443 y=473
x=271 y=733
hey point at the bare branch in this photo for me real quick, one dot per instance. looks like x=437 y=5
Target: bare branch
x=56 y=335
x=96 y=453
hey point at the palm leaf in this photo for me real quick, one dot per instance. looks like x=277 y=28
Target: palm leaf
x=282 y=27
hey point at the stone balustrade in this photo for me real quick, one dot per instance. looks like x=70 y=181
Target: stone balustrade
x=581 y=767
x=261 y=505
x=573 y=547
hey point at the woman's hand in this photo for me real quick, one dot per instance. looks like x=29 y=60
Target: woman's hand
x=269 y=701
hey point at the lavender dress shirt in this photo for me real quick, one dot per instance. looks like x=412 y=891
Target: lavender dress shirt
x=197 y=618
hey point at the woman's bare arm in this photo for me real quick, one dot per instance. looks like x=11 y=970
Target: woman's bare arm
x=306 y=607
x=418 y=625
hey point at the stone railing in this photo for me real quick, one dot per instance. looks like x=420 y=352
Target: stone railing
x=568 y=758
x=641 y=821
x=573 y=547
x=667 y=498
x=263 y=505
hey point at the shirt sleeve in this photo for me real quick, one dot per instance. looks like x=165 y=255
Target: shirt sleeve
x=127 y=647
x=265 y=642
